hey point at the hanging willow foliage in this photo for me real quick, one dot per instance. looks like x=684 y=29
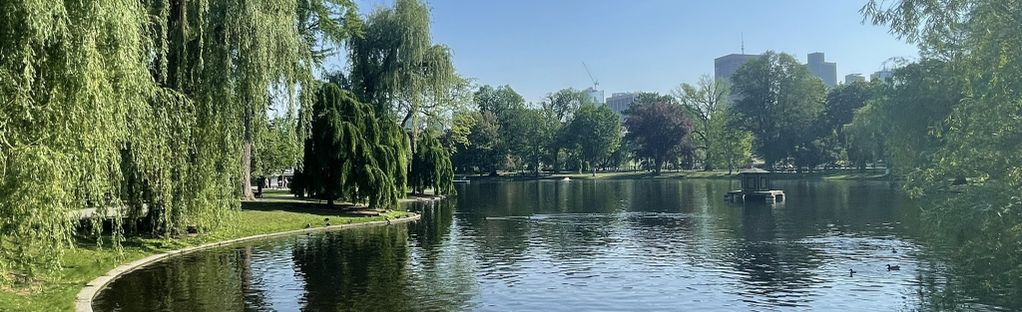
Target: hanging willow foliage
x=351 y=155
x=431 y=166
x=396 y=68
x=71 y=75
x=140 y=110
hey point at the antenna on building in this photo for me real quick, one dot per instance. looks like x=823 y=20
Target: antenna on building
x=743 y=43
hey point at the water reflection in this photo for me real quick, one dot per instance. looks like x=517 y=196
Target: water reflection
x=590 y=245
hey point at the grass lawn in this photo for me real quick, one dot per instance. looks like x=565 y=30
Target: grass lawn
x=276 y=212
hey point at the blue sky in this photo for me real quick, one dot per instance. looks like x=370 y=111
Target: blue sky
x=538 y=46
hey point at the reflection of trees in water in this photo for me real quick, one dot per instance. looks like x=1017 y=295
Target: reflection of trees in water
x=442 y=272
x=575 y=237
x=255 y=300
x=498 y=245
x=434 y=225
x=659 y=196
x=363 y=270
x=190 y=283
x=976 y=227
x=773 y=267
x=955 y=281
x=855 y=206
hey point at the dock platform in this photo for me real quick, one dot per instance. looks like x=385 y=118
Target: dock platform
x=769 y=196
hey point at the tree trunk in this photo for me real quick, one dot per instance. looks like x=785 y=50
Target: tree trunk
x=246 y=157
x=557 y=164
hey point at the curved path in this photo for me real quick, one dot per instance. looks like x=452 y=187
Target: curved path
x=83 y=302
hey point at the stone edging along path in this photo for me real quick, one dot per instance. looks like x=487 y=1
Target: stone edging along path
x=83 y=302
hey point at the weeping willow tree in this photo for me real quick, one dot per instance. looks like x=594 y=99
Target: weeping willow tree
x=71 y=76
x=397 y=68
x=432 y=166
x=351 y=154
x=233 y=59
x=140 y=111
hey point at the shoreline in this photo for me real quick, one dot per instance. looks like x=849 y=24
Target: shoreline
x=83 y=301
x=852 y=175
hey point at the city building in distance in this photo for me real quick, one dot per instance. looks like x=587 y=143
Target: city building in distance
x=852 y=78
x=826 y=71
x=620 y=101
x=883 y=74
x=726 y=66
x=596 y=95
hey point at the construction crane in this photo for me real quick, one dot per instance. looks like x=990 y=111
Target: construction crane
x=596 y=84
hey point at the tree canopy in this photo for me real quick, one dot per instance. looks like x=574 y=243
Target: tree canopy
x=351 y=155
x=777 y=99
x=951 y=125
x=658 y=130
x=147 y=108
x=431 y=166
x=595 y=131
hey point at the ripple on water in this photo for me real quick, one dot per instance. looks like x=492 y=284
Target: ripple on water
x=647 y=246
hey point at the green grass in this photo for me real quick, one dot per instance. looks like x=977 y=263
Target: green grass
x=56 y=291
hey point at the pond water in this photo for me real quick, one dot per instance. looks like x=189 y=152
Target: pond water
x=617 y=245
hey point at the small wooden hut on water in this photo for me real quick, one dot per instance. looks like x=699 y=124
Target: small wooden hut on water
x=755 y=186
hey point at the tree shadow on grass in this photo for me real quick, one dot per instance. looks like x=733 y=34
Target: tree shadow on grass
x=309 y=207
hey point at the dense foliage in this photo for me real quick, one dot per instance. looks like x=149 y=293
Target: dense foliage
x=659 y=130
x=351 y=154
x=595 y=131
x=431 y=166
x=142 y=111
x=951 y=124
x=277 y=149
x=396 y=67
x=716 y=135
x=777 y=99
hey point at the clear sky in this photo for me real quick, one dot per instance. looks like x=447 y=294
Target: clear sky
x=538 y=46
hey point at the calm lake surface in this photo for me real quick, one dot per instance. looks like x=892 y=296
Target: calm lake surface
x=616 y=245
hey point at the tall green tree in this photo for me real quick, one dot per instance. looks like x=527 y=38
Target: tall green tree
x=432 y=166
x=595 y=131
x=658 y=130
x=972 y=175
x=500 y=105
x=731 y=146
x=561 y=105
x=144 y=107
x=866 y=137
x=485 y=147
x=777 y=99
x=704 y=101
x=396 y=67
x=349 y=155
x=533 y=132
x=913 y=109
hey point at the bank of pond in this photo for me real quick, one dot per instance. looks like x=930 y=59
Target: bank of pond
x=546 y=245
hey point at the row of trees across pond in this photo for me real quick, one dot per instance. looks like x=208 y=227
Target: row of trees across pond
x=774 y=110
